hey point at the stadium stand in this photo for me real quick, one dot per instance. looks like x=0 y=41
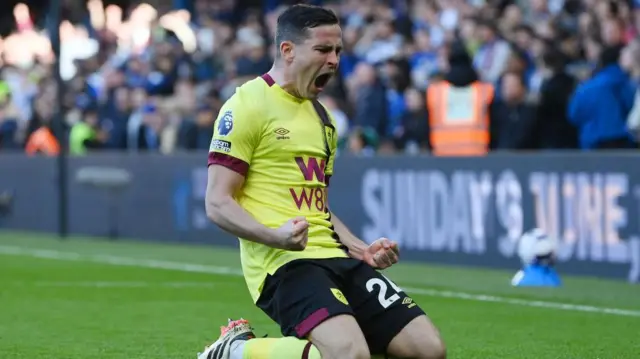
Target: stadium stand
x=152 y=78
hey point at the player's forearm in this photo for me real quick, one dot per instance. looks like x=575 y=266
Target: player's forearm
x=228 y=215
x=355 y=245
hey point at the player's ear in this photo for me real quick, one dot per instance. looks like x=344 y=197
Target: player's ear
x=287 y=51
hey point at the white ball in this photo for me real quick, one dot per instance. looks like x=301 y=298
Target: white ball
x=535 y=244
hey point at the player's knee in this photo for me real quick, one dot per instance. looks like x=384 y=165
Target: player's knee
x=346 y=348
x=340 y=337
x=429 y=346
x=433 y=349
x=420 y=339
x=352 y=350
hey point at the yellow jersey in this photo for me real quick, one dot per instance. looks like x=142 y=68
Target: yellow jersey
x=286 y=153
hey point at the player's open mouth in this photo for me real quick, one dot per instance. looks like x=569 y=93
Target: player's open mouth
x=322 y=81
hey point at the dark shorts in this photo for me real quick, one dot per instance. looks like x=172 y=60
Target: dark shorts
x=305 y=292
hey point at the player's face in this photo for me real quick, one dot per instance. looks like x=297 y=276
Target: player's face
x=316 y=59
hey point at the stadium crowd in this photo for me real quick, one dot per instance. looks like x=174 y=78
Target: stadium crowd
x=566 y=73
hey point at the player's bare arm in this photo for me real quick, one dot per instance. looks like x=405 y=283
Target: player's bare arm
x=222 y=208
x=382 y=253
x=356 y=246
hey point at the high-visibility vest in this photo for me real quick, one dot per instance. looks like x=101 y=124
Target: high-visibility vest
x=80 y=132
x=459 y=118
x=42 y=141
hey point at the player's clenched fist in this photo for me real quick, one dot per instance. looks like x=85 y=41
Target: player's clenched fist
x=294 y=234
x=382 y=253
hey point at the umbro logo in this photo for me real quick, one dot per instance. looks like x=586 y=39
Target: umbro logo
x=408 y=302
x=281 y=133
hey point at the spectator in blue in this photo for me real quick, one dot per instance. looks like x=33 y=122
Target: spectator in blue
x=115 y=114
x=424 y=61
x=136 y=72
x=397 y=81
x=370 y=99
x=600 y=106
x=348 y=59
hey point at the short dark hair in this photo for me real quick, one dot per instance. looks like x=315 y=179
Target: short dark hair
x=489 y=24
x=553 y=58
x=526 y=29
x=610 y=55
x=294 y=22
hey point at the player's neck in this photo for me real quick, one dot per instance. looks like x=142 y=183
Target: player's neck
x=284 y=79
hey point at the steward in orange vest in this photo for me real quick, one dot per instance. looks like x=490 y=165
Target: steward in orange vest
x=459 y=109
x=42 y=141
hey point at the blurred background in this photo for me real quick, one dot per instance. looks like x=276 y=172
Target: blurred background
x=151 y=76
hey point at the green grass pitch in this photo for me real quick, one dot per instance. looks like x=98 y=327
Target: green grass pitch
x=86 y=298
